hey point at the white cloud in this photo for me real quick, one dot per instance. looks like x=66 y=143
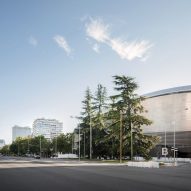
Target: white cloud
x=128 y=50
x=96 y=48
x=61 y=41
x=33 y=41
x=97 y=30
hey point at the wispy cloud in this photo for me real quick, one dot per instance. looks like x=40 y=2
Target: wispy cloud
x=33 y=41
x=97 y=30
x=128 y=50
x=96 y=48
x=61 y=41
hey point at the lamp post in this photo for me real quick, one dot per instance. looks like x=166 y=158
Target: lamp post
x=174 y=149
x=40 y=146
x=56 y=143
x=28 y=145
x=131 y=143
x=84 y=145
x=174 y=144
x=78 y=136
x=165 y=141
x=79 y=142
x=121 y=137
x=90 y=139
x=18 y=148
x=72 y=143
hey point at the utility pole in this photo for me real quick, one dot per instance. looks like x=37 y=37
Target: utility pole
x=130 y=127
x=28 y=144
x=40 y=146
x=72 y=142
x=121 y=137
x=165 y=141
x=131 y=143
x=84 y=145
x=18 y=148
x=56 y=143
x=79 y=141
x=90 y=138
x=174 y=144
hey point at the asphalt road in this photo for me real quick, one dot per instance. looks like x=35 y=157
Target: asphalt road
x=92 y=178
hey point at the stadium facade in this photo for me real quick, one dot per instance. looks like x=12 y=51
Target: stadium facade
x=170 y=111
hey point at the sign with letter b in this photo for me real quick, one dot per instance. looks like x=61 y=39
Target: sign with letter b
x=164 y=151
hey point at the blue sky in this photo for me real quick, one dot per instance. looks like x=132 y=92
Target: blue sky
x=51 y=50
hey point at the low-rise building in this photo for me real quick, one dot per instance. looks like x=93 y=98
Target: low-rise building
x=2 y=143
x=18 y=131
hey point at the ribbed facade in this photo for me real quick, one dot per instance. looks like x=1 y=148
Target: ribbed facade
x=49 y=128
x=170 y=111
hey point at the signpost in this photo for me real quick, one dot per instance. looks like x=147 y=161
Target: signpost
x=175 y=150
x=164 y=151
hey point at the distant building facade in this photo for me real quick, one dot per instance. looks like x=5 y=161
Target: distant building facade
x=170 y=111
x=18 y=131
x=49 y=128
x=2 y=143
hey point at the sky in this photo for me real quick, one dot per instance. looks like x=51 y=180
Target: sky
x=52 y=50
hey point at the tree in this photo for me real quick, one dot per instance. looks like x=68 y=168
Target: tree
x=100 y=146
x=5 y=150
x=100 y=106
x=116 y=123
x=28 y=145
x=19 y=146
x=86 y=117
x=129 y=103
x=64 y=143
x=93 y=122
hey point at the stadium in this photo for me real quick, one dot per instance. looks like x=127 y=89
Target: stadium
x=170 y=111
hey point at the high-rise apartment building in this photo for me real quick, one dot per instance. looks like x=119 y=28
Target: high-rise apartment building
x=49 y=128
x=18 y=131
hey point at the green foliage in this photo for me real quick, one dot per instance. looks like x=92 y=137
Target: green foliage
x=5 y=150
x=33 y=145
x=103 y=115
x=63 y=143
x=105 y=120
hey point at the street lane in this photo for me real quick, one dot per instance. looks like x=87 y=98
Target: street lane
x=94 y=178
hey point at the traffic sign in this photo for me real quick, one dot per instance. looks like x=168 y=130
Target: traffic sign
x=164 y=151
x=174 y=149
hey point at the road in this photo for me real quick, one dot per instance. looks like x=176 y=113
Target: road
x=54 y=176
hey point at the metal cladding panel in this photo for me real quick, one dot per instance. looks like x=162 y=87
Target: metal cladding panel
x=168 y=91
x=182 y=139
x=168 y=112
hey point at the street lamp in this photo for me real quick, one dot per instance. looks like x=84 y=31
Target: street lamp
x=90 y=139
x=18 y=148
x=40 y=146
x=79 y=141
x=131 y=143
x=174 y=149
x=84 y=145
x=56 y=142
x=121 y=137
x=78 y=136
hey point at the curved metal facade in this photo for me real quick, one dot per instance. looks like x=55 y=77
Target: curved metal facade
x=170 y=111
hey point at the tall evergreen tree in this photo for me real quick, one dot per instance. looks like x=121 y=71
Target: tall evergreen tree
x=129 y=103
x=100 y=106
x=86 y=124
